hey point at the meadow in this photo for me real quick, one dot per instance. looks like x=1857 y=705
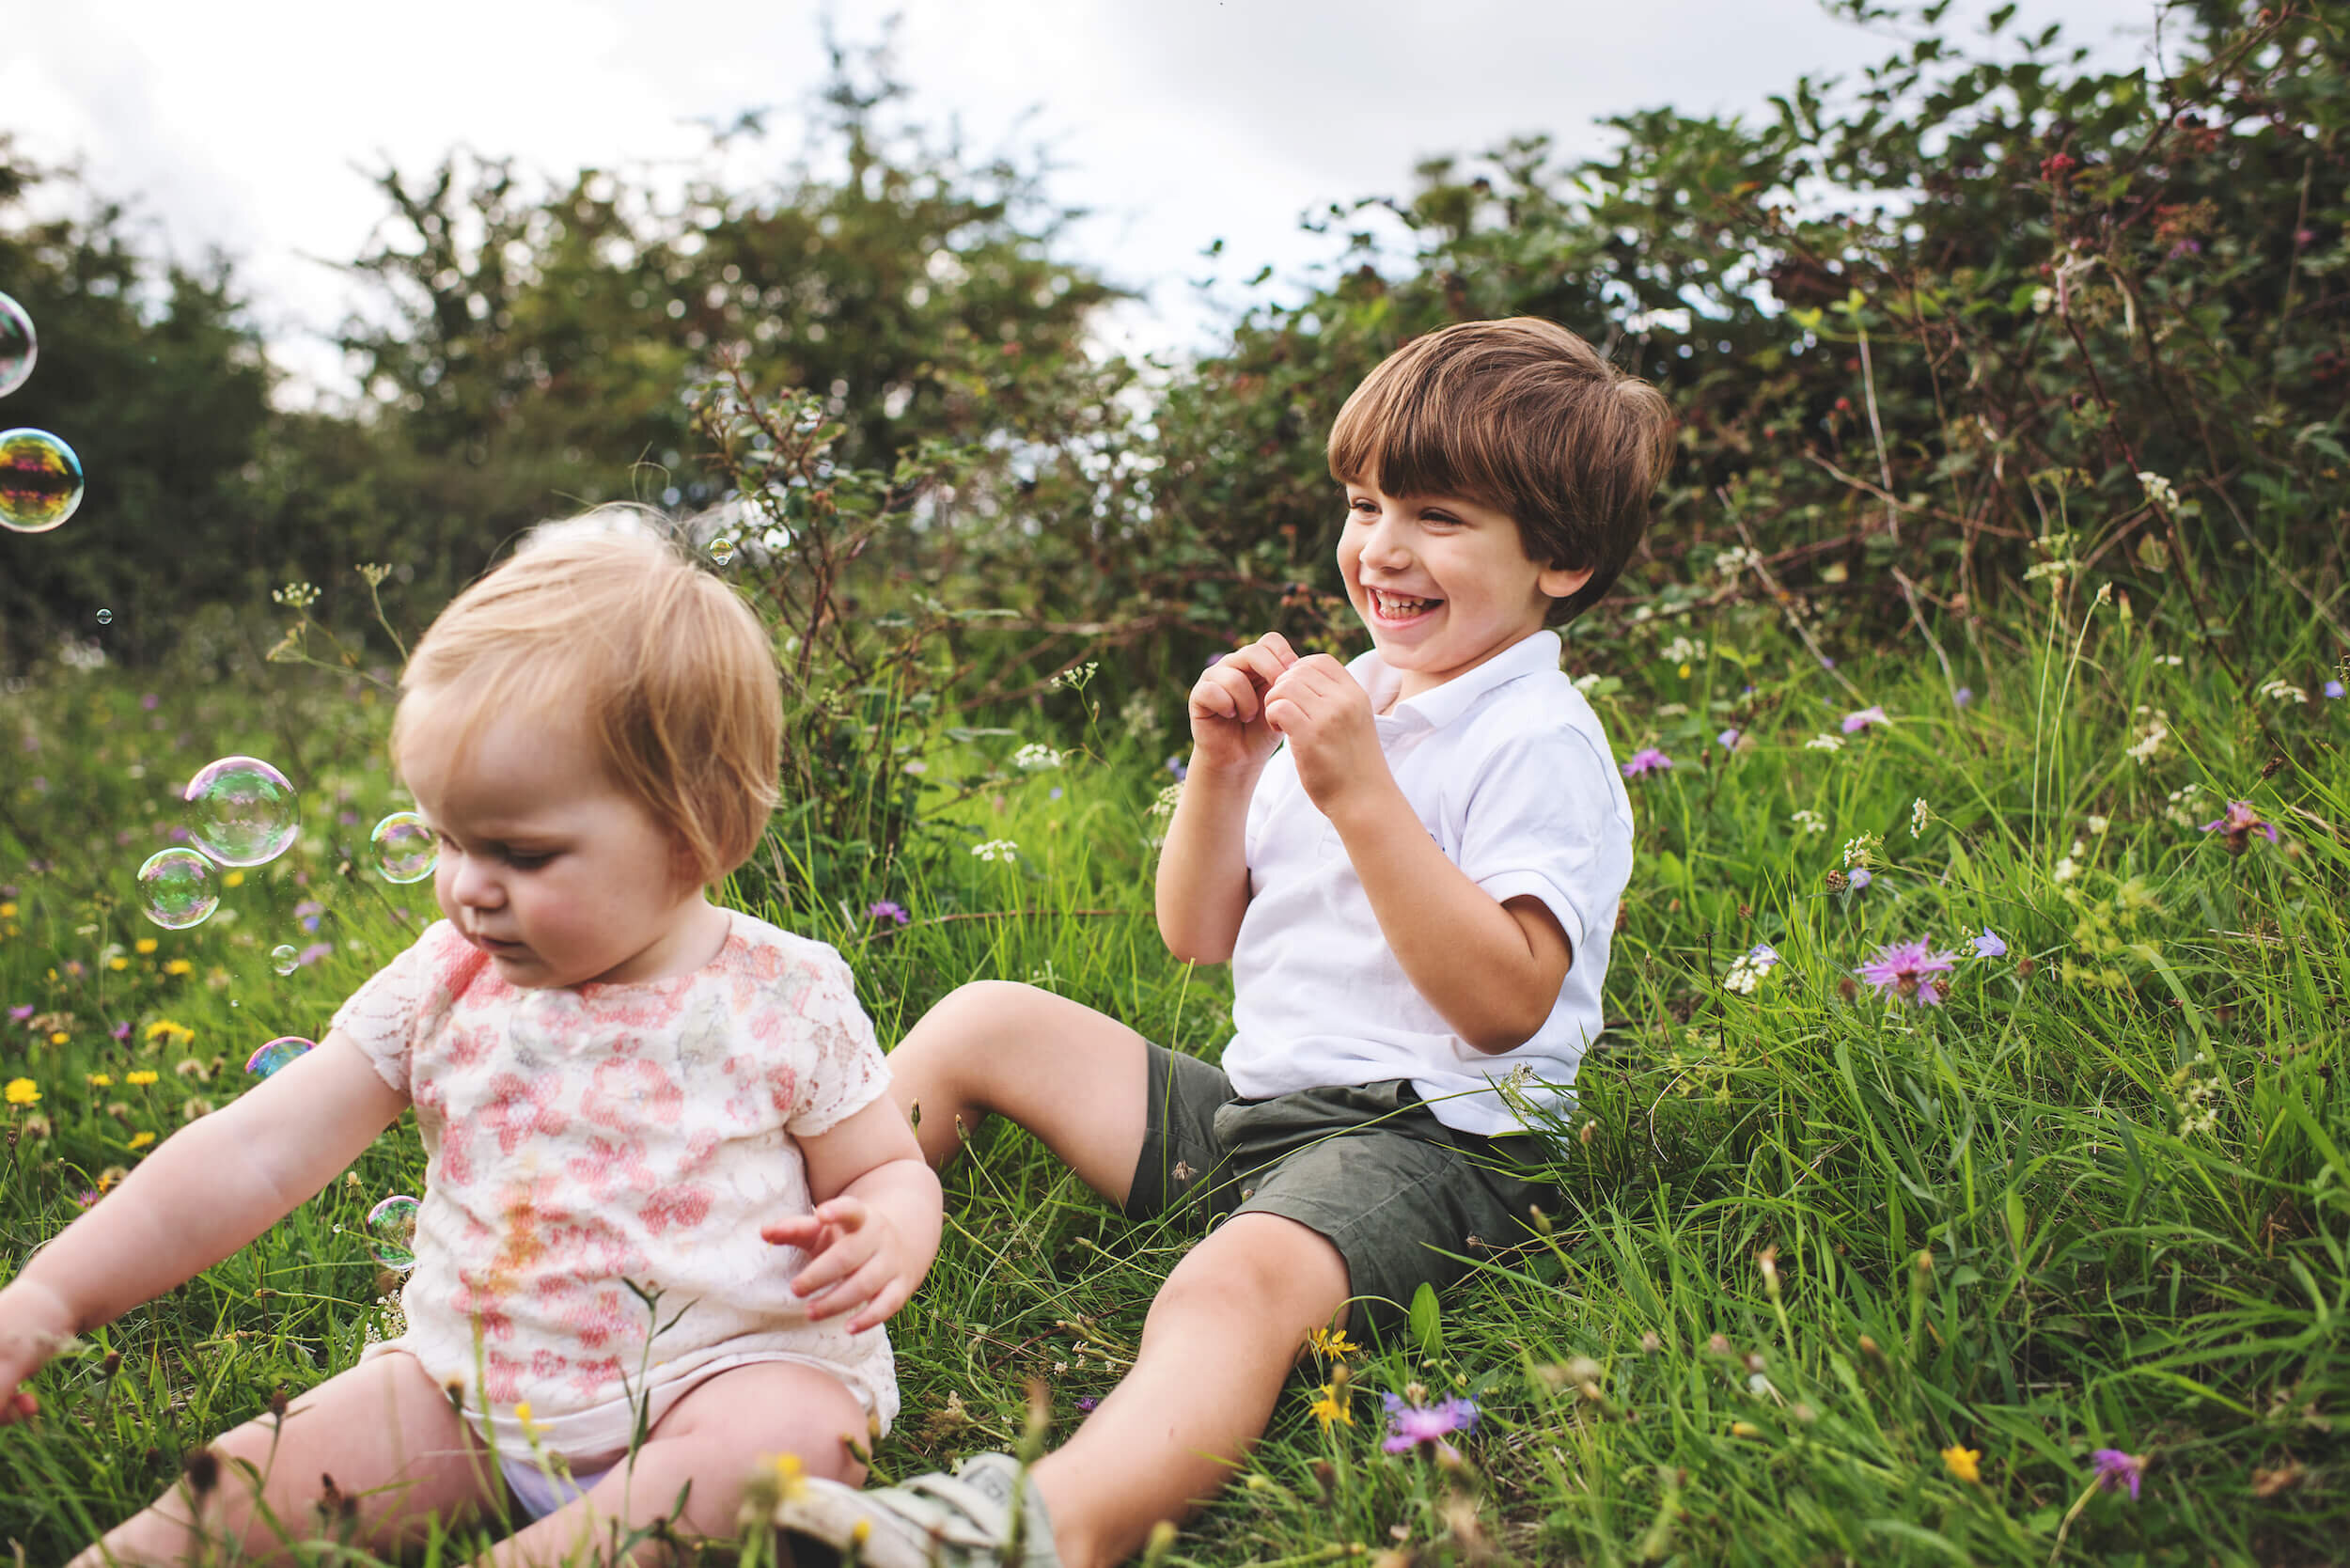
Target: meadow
x=2042 y=1257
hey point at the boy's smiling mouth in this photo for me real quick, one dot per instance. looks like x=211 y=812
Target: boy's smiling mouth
x=1398 y=608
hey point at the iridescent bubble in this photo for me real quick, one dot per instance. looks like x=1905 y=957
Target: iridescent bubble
x=392 y=1232
x=105 y=617
x=41 y=481
x=18 y=347
x=722 y=550
x=403 y=848
x=283 y=957
x=242 y=811
x=276 y=1053
x=177 y=889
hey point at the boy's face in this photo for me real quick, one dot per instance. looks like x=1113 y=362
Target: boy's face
x=545 y=863
x=1443 y=582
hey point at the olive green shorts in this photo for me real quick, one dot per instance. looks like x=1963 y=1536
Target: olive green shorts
x=1405 y=1200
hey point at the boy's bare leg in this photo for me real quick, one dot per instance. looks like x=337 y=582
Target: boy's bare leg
x=1223 y=1331
x=385 y=1432
x=707 y=1445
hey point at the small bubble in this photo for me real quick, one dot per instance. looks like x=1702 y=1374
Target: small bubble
x=722 y=550
x=403 y=848
x=105 y=617
x=276 y=1053
x=242 y=811
x=177 y=889
x=18 y=346
x=283 y=957
x=41 y=481
x=392 y=1232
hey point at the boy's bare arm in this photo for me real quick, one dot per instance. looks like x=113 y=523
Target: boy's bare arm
x=1203 y=889
x=205 y=1191
x=1491 y=969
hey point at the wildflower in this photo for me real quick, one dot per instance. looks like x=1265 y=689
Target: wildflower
x=178 y=967
x=312 y=953
x=1329 y=1343
x=2116 y=1469
x=1672 y=710
x=140 y=1140
x=2070 y=867
x=144 y=946
x=1860 y=878
x=1748 y=969
x=1648 y=759
x=2097 y=825
x=1328 y=1407
x=236 y=878
x=1413 y=1426
x=140 y=1079
x=2333 y=691
x=18 y=1014
x=1862 y=850
x=23 y=1091
x=886 y=909
x=1087 y=1402
x=121 y=1030
x=2281 y=692
x=171 y=1034
x=997 y=849
x=1681 y=649
x=1964 y=696
x=86 y=1196
x=1076 y=675
x=1919 y=814
x=1035 y=757
x=1966 y=1464
x=1907 y=970
x=1179 y=768
x=1855 y=723
x=2158 y=490
x=2239 y=824
x=1727 y=740
x=916 y=768
x=1988 y=945
x=58 y=1037
x=1823 y=743
x=101 y=1080
x=1811 y=821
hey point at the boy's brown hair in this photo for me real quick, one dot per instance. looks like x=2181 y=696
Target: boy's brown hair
x=671 y=673
x=1523 y=416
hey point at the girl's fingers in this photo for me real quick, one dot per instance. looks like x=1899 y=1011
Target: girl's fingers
x=882 y=1308
x=851 y=1293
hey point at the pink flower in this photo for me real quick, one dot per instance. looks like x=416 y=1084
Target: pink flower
x=1855 y=723
x=2239 y=824
x=1907 y=970
x=1647 y=760
x=2116 y=1469
x=1413 y=1426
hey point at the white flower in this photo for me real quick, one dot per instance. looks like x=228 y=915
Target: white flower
x=1824 y=742
x=1735 y=559
x=2066 y=869
x=2043 y=299
x=2097 y=825
x=1585 y=683
x=2284 y=693
x=2063 y=565
x=2158 y=490
x=1743 y=977
x=1076 y=675
x=2181 y=807
x=296 y=596
x=2150 y=737
x=1035 y=756
x=1681 y=649
x=1811 y=821
x=2174 y=660
x=997 y=849
x=1672 y=710
x=1919 y=814
x=1165 y=804
x=1857 y=851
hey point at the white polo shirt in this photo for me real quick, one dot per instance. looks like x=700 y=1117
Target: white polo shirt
x=1513 y=777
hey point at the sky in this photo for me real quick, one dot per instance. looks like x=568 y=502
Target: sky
x=248 y=126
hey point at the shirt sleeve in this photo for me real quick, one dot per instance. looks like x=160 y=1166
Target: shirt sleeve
x=1541 y=821
x=387 y=1016
x=845 y=1070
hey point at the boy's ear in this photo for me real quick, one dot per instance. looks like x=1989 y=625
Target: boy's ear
x=1563 y=582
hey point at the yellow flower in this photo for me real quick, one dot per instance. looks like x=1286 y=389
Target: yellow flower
x=101 y=1080
x=1963 y=1463
x=1329 y=1343
x=178 y=967
x=179 y=1034
x=1745 y=1429
x=1328 y=1407
x=60 y=1037
x=790 y=1473
x=117 y=964
x=234 y=879
x=8 y=912
x=141 y=1077
x=140 y=1140
x=145 y=945
x=23 y=1091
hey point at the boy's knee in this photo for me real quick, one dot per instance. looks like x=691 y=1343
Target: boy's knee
x=977 y=1013
x=1260 y=1268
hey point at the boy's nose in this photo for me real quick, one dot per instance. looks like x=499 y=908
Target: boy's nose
x=1386 y=546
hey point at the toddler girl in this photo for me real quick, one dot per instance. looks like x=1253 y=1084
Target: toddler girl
x=621 y=1086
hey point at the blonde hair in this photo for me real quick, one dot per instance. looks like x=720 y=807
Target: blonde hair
x=1523 y=415
x=673 y=674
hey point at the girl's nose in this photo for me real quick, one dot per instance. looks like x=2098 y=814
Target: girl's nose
x=475 y=886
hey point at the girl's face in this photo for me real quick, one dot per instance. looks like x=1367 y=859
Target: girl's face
x=545 y=863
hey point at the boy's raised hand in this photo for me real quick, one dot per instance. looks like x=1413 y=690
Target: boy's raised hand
x=1324 y=714
x=858 y=1261
x=1227 y=718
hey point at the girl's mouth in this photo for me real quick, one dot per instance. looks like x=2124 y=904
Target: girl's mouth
x=1398 y=608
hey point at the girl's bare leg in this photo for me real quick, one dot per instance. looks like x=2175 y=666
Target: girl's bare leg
x=706 y=1446
x=381 y=1436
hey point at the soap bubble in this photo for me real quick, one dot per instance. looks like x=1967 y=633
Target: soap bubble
x=242 y=812
x=41 y=481
x=177 y=889
x=275 y=1055
x=105 y=617
x=392 y=1232
x=722 y=550
x=283 y=957
x=404 y=849
x=18 y=347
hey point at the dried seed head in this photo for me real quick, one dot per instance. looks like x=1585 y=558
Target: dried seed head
x=201 y=1470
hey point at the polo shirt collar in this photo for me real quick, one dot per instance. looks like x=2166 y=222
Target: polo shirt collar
x=1441 y=705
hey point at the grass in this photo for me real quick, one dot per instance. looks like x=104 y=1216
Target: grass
x=2099 y=1198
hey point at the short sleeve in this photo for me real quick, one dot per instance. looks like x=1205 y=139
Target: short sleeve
x=387 y=1016
x=845 y=1072
x=1543 y=822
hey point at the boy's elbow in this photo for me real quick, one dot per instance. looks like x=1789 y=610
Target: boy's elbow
x=1187 y=948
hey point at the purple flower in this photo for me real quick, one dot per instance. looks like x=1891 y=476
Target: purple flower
x=2239 y=824
x=1827 y=663
x=1053 y=793
x=2333 y=691
x=1087 y=1402
x=1855 y=723
x=89 y=1196
x=178 y=835
x=1727 y=740
x=1988 y=945
x=121 y=1030
x=886 y=909
x=1860 y=878
x=1762 y=958
x=1648 y=759
x=2116 y=1469
x=2186 y=247
x=1907 y=970
x=18 y=1014
x=312 y=953
x=1176 y=767
x=1412 y=1426
x=149 y=701
x=1964 y=696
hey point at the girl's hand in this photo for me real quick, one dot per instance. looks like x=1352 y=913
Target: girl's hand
x=33 y=1323
x=1228 y=720
x=858 y=1261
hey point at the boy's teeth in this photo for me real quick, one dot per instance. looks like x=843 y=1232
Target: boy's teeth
x=1397 y=605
